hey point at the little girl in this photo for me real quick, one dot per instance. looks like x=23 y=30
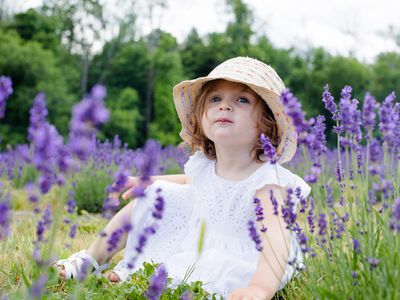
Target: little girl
x=222 y=116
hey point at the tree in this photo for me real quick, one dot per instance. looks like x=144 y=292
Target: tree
x=386 y=75
x=239 y=29
x=125 y=117
x=32 y=69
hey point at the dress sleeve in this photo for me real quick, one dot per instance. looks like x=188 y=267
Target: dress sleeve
x=195 y=166
x=278 y=175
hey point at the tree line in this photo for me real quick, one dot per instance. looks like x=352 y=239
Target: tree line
x=50 y=50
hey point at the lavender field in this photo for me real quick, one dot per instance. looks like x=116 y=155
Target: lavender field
x=53 y=201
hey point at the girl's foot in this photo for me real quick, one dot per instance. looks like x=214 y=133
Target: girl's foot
x=78 y=263
x=112 y=277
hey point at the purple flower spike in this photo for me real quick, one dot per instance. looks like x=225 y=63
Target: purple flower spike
x=158 y=283
x=274 y=202
x=258 y=209
x=322 y=225
x=72 y=232
x=368 y=113
x=158 y=206
x=387 y=120
x=394 y=222
x=373 y=262
x=269 y=149
x=329 y=101
x=36 y=289
x=356 y=246
x=254 y=235
x=5 y=91
x=186 y=296
x=38 y=114
x=293 y=110
x=86 y=115
x=288 y=212
x=4 y=214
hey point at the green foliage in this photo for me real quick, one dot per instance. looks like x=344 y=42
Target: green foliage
x=90 y=186
x=386 y=75
x=28 y=174
x=125 y=117
x=32 y=69
x=165 y=126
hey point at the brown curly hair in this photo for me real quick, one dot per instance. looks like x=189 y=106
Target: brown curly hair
x=266 y=124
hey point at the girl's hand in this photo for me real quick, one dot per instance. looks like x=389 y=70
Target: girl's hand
x=249 y=293
x=127 y=190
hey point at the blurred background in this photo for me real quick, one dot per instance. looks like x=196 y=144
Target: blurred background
x=140 y=49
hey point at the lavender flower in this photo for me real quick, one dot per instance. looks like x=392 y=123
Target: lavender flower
x=386 y=116
x=5 y=91
x=329 y=195
x=375 y=150
x=288 y=213
x=143 y=237
x=186 y=296
x=302 y=238
x=146 y=162
x=158 y=283
x=44 y=223
x=313 y=173
x=72 y=232
x=4 y=214
x=316 y=140
x=47 y=142
x=120 y=180
x=339 y=172
x=274 y=202
x=394 y=222
x=254 y=235
x=116 y=236
x=71 y=204
x=396 y=130
x=114 y=239
x=356 y=246
x=38 y=114
x=373 y=262
x=259 y=213
x=159 y=205
x=269 y=149
x=36 y=289
x=368 y=114
x=86 y=115
x=349 y=115
x=258 y=209
x=329 y=101
x=293 y=110
x=322 y=225
x=302 y=200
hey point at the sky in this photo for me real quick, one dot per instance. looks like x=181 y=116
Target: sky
x=340 y=26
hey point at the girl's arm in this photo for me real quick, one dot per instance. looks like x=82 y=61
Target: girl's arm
x=275 y=253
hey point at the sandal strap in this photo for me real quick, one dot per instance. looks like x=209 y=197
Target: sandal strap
x=80 y=258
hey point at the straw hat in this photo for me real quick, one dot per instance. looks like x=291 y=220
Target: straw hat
x=258 y=76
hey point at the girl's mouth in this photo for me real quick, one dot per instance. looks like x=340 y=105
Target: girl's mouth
x=224 y=120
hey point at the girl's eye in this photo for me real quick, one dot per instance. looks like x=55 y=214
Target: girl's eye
x=243 y=100
x=215 y=99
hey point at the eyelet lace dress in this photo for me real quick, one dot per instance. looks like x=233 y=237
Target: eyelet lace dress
x=229 y=258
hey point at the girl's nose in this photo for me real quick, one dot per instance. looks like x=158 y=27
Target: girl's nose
x=224 y=106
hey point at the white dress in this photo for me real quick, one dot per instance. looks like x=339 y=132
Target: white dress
x=229 y=257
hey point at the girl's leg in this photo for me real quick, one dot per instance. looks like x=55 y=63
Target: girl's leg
x=98 y=248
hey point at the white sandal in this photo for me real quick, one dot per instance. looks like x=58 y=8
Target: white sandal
x=71 y=272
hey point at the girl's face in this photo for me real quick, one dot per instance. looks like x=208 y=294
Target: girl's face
x=230 y=114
